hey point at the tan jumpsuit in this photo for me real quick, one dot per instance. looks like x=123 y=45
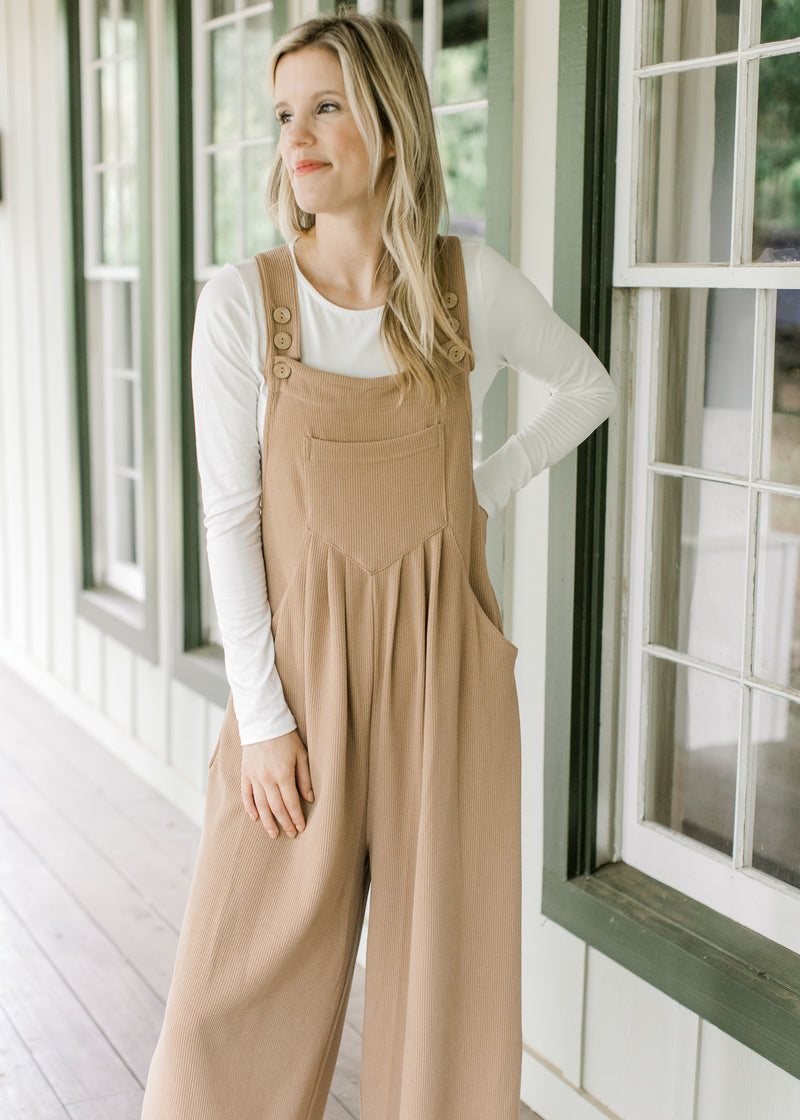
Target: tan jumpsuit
x=389 y=645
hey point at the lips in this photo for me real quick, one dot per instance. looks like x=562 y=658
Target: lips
x=306 y=166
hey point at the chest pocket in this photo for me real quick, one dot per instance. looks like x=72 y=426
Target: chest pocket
x=375 y=500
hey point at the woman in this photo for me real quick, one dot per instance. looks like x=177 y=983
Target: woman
x=373 y=726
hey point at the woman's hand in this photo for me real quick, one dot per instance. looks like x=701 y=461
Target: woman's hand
x=272 y=773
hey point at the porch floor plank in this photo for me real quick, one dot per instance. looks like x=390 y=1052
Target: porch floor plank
x=95 y=868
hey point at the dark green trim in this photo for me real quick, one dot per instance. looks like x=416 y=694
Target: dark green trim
x=72 y=128
x=131 y=622
x=743 y=983
x=179 y=67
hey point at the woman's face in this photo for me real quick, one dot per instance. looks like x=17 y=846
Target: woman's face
x=324 y=153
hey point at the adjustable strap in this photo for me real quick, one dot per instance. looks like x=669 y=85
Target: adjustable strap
x=279 y=290
x=455 y=300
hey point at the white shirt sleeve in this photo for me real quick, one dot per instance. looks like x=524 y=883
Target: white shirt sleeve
x=516 y=327
x=225 y=388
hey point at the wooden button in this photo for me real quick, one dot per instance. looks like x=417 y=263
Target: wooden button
x=283 y=340
x=281 y=314
x=450 y=300
x=282 y=370
x=455 y=354
x=454 y=324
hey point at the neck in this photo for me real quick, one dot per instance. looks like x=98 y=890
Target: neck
x=342 y=257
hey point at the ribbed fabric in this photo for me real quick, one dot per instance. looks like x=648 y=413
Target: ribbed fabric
x=389 y=644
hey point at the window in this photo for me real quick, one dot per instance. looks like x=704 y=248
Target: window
x=685 y=339
x=708 y=233
x=110 y=94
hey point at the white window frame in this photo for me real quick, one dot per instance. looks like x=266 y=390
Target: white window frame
x=203 y=144
x=121 y=575
x=763 y=903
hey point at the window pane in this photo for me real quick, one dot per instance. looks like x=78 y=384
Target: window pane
x=124 y=450
x=126 y=28
x=677 y=29
x=782 y=451
x=257 y=103
x=225 y=121
x=705 y=383
x=686 y=167
x=126 y=537
x=692 y=742
x=118 y=321
x=259 y=232
x=780 y=19
x=776 y=825
x=463 y=148
x=699 y=568
x=221 y=8
x=129 y=214
x=127 y=110
x=776 y=211
x=109 y=146
x=110 y=216
x=227 y=200
x=462 y=65
x=106 y=39
x=776 y=645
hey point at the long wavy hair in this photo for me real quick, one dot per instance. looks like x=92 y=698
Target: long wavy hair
x=388 y=95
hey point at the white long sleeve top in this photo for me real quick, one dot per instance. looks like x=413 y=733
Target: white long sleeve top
x=510 y=324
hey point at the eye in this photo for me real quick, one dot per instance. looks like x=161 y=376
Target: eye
x=284 y=116
x=328 y=106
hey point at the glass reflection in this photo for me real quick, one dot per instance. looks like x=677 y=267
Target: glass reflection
x=776 y=205
x=225 y=124
x=225 y=207
x=705 y=379
x=688 y=29
x=692 y=743
x=782 y=452
x=699 y=568
x=776 y=824
x=686 y=167
x=776 y=644
x=463 y=148
x=780 y=19
x=257 y=105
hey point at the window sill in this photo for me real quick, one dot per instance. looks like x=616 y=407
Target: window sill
x=740 y=981
x=122 y=617
x=203 y=669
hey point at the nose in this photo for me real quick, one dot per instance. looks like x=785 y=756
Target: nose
x=297 y=133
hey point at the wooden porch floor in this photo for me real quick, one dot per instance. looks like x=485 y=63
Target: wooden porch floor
x=94 y=873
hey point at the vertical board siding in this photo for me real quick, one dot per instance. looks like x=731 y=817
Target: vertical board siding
x=11 y=415
x=736 y=1084
x=633 y=1057
x=553 y=971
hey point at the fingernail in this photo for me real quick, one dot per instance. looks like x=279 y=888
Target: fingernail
x=310 y=796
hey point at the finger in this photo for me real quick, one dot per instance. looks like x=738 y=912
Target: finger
x=304 y=776
x=279 y=811
x=267 y=819
x=247 y=799
x=291 y=800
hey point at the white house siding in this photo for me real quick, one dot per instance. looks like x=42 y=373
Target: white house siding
x=599 y=1042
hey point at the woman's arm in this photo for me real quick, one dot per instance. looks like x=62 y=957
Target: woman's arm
x=225 y=388
x=518 y=328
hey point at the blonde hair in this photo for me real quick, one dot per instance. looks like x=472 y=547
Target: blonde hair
x=388 y=95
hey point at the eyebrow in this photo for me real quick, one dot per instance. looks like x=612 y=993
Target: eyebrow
x=319 y=93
